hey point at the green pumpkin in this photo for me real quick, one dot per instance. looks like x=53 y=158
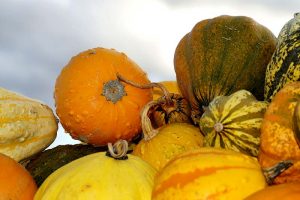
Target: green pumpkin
x=221 y=56
x=284 y=65
x=233 y=122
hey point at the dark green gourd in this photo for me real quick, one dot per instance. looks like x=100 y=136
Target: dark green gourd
x=221 y=56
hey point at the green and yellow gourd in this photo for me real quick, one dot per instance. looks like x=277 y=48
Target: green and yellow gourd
x=233 y=122
x=284 y=65
x=221 y=56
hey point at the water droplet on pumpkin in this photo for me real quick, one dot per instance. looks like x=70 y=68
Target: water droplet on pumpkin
x=85 y=112
x=71 y=113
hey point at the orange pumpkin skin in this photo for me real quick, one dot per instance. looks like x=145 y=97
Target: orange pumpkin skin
x=171 y=86
x=285 y=191
x=278 y=140
x=16 y=183
x=93 y=105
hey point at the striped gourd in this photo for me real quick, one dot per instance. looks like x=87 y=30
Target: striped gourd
x=26 y=125
x=220 y=56
x=209 y=173
x=233 y=122
x=284 y=65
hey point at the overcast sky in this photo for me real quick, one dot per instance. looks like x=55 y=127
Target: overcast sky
x=38 y=37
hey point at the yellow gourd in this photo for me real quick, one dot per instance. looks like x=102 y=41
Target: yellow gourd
x=209 y=173
x=160 y=145
x=111 y=175
x=27 y=126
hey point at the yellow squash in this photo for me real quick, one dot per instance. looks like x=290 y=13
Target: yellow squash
x=160 y=145
x=209 y=173
x=108 y=176
x=27 y=126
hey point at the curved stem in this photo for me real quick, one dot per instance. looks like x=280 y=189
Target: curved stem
x=118 y=150
x=148 y=130
x=148 y=86
x=271 y=173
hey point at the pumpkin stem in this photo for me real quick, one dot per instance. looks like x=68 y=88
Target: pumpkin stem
x=166 y=93
x=118 y=150
x=271 y=173
x=148 y=130
x=218 y=127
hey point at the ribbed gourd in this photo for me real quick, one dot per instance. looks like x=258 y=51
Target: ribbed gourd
x=221 y=56
x=102 y=176
x=233 y=122
x=284 y=65
x=27 y=126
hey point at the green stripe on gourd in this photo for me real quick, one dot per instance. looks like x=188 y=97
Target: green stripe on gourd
x=233 y=122
x=284 y=65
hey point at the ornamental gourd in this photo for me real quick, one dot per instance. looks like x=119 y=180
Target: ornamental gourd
x=209 y=173
x=111 y=175
x=15 y=181
x=284 y=65
x=221 y=56
x=285 y=191
x=158 y=146
x=233 y=122
x=93 y=105
x=27 y=126
x=278 y=140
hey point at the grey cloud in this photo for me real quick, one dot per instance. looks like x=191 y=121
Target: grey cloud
x=273 y=6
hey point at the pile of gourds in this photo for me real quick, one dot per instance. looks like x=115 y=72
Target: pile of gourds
x=227 y=128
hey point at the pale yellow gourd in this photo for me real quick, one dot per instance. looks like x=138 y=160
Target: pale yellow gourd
x=27 y=126
x=102 y=176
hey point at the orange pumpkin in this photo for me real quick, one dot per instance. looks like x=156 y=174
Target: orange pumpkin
x=16 y=183
x=93 y=105
x=285 y=191
x=278 y=141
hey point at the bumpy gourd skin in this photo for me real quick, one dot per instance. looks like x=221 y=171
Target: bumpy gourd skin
x=278 y=141
x=93 y=105
x=220 y=56
x=284 y=65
